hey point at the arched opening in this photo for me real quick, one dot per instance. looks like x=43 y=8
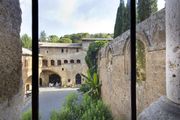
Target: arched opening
x=78 y=79
x=40 y=82
x=54 y=80
x=45 y=63
x=78 y=61
x=65 y=61
x=59 y=62
x=27 y=87
x=140 y=61
x=71 y=61
x=52 y=63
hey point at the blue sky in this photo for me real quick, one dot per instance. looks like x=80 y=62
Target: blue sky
x=60 y=17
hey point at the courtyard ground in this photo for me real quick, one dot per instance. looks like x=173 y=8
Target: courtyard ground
x=50 y=99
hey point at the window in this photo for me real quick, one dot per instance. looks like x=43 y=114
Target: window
x=77 y=50
x=45 y=63
x=69 y=80
x=59 y=62
x=78 y=61
x=71 y=61
x=27 y=87
x=78 y=79
x=65 y=61
x=62 y=69
x=62 y=50
x=25 y=62
x=52 y=63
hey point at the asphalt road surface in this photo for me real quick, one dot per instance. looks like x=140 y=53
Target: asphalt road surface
x=50 y=99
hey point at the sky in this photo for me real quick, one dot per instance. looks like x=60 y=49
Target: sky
x=60 y=17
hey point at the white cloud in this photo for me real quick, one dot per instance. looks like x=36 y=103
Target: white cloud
x=66 y=10
x=94 y=25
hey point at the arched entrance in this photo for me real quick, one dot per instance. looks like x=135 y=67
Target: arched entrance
x=78 y=79
x=27 y=87
x=54 y=80
x=40 y=82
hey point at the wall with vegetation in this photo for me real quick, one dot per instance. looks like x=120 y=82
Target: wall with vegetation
x=114 y=67
x=10 y=60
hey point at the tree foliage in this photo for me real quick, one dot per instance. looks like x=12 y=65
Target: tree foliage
x=53 y=38
x=43 y=37
x=91 y=57
x=145 y=8
x=122 y=19
x=141 y=60
x=93 y=85
x=26 y=41
x=82 y=109
x=65 y=40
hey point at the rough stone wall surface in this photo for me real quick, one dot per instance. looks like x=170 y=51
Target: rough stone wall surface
x=114 y=67
x=10 y=60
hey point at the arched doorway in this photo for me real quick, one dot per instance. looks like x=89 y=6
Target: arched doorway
x=54 y=80
x=40 y=82
x=140 y=60
x=78 y=79
x=27 y=87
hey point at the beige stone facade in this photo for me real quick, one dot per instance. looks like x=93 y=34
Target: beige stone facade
x=114 y=67
x=62 y=63
x=27 y=69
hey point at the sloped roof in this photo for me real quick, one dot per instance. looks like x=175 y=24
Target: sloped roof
x=65 y=45
x=98 y=39
x=26 y=51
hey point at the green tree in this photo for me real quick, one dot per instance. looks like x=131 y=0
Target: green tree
x=65 y=40
x=53 y=38
x=26 y=41
x=145 y=8
x=91 y=57
x=121 y=24
x=43 y=37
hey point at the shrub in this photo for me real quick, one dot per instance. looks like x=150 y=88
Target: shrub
x=27 y=115
x=95 y=110
x=86 y=109
x=91 y=57
x=92 y=84
x=70 y=110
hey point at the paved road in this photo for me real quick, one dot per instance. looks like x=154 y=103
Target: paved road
x=50 y=99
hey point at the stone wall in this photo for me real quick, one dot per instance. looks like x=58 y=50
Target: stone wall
x=10 y=60
x=114 y=67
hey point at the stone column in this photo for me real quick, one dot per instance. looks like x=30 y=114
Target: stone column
x=173 y=50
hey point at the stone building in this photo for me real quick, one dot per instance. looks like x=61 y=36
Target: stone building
x=27 y=69
x=62 y=63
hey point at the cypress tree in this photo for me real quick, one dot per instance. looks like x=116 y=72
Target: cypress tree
x=119 y=24
x=146 y=8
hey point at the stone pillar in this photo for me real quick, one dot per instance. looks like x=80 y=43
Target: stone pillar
x=168 y=108
x=10 y=60
x=173 y=50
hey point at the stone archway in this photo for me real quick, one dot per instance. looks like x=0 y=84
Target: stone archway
x=78 y=78
x=40 y=82
x=55 y=80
